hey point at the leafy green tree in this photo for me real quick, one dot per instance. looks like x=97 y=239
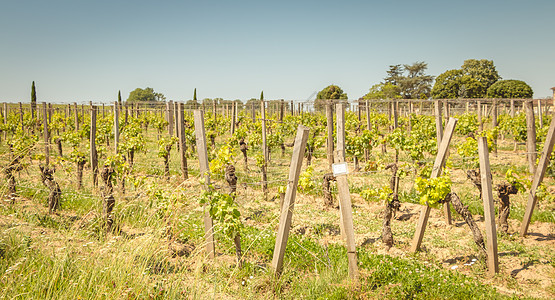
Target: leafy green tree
x=472 y=80
x=482 y=70
x=383 y=91
x=394 y=75
x=412 y=80
x=510 y=89
x=453 y=84
x=33 y=100
x=331 y=92
x=145 y=95
x=416 y=84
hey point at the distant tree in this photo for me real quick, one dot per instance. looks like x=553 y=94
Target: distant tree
x=394 y=75
x=331 y=92
x=510 y=89
x=383 y=91
x=262 y=95
x=453 y=84
x=145 y=95
x=193 y=104
x=416 y=84
x=119 y=98
x=472 y=80
x=195 y=95
x=255 y=102
x=33 y=100
x=482 y=70
x=412 y=80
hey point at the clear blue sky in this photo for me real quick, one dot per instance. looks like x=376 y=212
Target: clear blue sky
x=88 y=50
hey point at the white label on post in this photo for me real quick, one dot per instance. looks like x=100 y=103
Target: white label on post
x=340 y=169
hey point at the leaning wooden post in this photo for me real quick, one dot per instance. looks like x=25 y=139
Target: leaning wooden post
x=182 y=143
x=538 y=177
x=205 y=172
x=439 y=136
x=530 y=136
x=289 y=200
x=489 y=209
x=45 y=134
x=436 y=172
x=329 y=126
x=94 y=157
x=264 y=150
x=344 y=195
x=116 y=127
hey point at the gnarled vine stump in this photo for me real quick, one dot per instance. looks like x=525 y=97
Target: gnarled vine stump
x=107 y=192
x=47 y=178
x=503 y=191
x=462 y=210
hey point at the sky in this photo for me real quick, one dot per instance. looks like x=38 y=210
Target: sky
x=81 y=51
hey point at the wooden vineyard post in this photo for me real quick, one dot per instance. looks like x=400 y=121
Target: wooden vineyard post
x=494 y=123
x=182 y=144
x=395 y=106
x=479 y=115
x=76 y=116
x=126 y=108
x=264 y=150
x=94 y=157
x=21 y=116
x=439 y=124
x=540 y=113
x=233 y=117
x=281 y=110
x=344 y=195
x=169 y=116
x=329 y=126
x=205 y=171
x=5 y=117
x=439 y=136
x=436 y=171
x=538 y=177
x=289 y=201
x=176 y=119
x=489 y=209
x=45 y=134
x=530 y=136
x=369 y=127
x=116 y=127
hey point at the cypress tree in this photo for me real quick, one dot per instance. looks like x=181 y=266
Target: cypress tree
x=33 y=100
x=262 y=95
x=119 y=98
x=195 y=95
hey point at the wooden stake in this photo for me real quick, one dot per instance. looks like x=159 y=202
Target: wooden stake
x=439 y=136
x=116 y=127
x=479 y=115
x=538 y=177
x=45 y=133
x=489 y=209
x=344 y=195
x=436 y=171
x=264 y=149
x=289 y=200
x=204 y=171
x=182 y=143
x=329 y=126
x=530 y=136
x=94 y=155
